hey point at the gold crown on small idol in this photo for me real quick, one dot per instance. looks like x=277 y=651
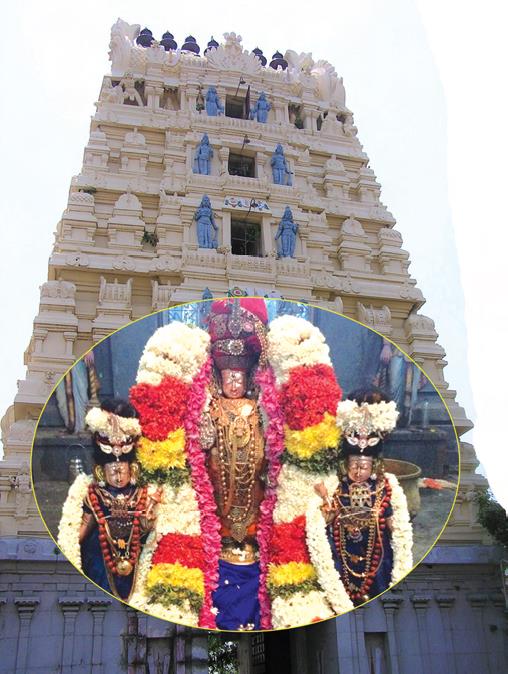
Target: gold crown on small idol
x=365 y=424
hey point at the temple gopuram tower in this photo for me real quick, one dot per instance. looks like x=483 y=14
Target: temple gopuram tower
x=270 y=148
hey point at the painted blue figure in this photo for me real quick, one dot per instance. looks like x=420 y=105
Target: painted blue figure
x=287 y=234
x=203 y=157
x=212 y=103
x=280 y=170
x=207 y=229
x=260 y=111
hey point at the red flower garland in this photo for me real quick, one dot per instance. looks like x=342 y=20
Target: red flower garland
x=310 y=391
x=161 y=408
x=182 y=549
x=288 y=543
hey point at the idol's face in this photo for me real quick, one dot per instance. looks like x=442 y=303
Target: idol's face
x=359 y=468
x=117 y=473
x=234 y=383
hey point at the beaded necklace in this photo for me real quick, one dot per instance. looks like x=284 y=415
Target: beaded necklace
x=120 y=551
x=371 y=518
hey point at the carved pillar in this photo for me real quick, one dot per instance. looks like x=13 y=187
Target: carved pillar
x=445 y=603
x=478 y=601
x=191 y=93
x=421 y=604
x=245 y=652
x=391 y=604
x=26 y=607
x=298 y=651
x=267 y=235
x=70 y=608
x=180 y=649
x=136 y=645
x=153 y=96
x=361 y=651
x=199 y=650
x=224 y=158
x=261 y=165
x=224 y=233
x=98 y=608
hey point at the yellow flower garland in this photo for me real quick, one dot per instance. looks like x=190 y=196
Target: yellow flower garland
x=292 y=573
x=169 y=453
x=177 y=576
x=304 y=444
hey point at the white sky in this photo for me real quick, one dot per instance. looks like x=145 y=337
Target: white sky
x=426 y=81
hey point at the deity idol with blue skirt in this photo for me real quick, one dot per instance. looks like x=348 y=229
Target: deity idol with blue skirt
x=107 y=515
x=366 y=516
x=238 y=426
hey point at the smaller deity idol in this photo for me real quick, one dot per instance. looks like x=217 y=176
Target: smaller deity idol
x=203 y=157
x=115 y=514
x=260 y=111
x=212 y=103
x=280 y=170
x=367 y=518
x=207 y=229
x=286 y=232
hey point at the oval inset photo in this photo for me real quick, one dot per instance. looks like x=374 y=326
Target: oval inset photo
x=245 y=464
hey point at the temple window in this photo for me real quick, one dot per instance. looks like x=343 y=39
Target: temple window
x=235 y=107
x=296 y=115
x=241 y=165
x=246 y=238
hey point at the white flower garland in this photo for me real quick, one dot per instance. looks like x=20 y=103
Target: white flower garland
x=402 y=532
x=176 y=349
x=293 y=341
x=176 y=513
x=295 y=489
x=322 y=559
x=70 y=521
x=100 y=421
x=300 y=609
x=380 y=417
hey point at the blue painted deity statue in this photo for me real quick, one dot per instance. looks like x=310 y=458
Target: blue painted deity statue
x=207 y=229
x=286 y=232
x=203 y=157
x=212 y=103
x=260 y=111
x=280 y=170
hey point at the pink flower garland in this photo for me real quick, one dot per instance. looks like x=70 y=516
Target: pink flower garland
x=269 y=401
x=210 y=525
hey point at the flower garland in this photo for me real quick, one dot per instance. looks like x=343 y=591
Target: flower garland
x=210 y=525
x=70 y=522
x=294 y=341
x=378 y=417
x=108 y=424
x=274 y=446
x=308 y=396
x=176 y=513
x=176 y=350
x=321 y=555
x=402 y=531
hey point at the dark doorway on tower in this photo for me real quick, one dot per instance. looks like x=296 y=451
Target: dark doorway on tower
x=270 y=653
x=246 y=238
x=235 y=107
x=241 y=165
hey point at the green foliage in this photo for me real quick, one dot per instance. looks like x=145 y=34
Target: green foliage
x=169 y=596
x=492 y=516
x=150 y=237
x=286 y=591
x=323 y=461
x=173 y=476
x=222 y=654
